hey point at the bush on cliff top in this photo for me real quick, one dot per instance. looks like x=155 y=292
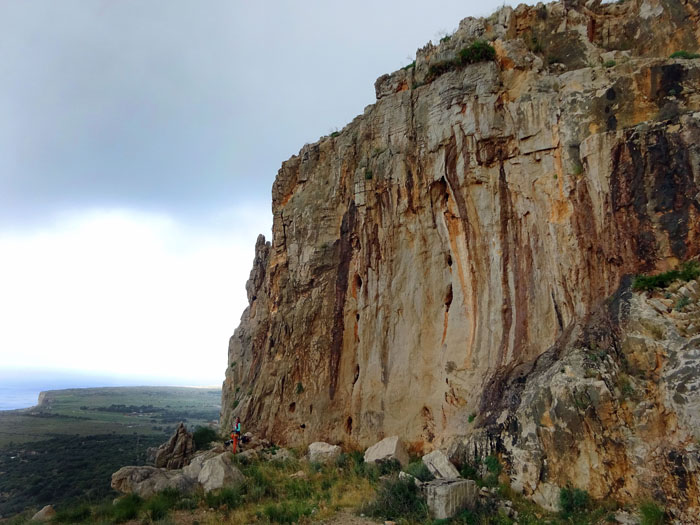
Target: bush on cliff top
x=477 y=51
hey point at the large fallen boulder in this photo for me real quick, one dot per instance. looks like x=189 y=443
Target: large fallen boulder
x=218 y=472
x=146 y=481
x=446 y=497
x=177 y=452
x=439 y=466
x=195 y=467
x=320 y=452
x=387 y=449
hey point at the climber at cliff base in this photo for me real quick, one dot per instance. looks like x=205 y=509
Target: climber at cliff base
x=236 y=434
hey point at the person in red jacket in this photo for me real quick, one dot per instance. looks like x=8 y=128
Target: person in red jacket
x=236 y=434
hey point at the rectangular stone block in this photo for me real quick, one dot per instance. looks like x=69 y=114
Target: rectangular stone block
x=446 y=497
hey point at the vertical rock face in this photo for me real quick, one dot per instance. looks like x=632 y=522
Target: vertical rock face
x=470 y=220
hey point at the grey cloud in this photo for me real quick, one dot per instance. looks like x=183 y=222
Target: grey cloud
x=185 y=106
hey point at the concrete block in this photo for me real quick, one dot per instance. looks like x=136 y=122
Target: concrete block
x=446 y=497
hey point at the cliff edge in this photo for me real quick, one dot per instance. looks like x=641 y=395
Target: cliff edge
x=437 y=264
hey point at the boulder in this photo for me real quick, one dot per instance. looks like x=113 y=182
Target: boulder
x=146 y=481
x=321 y=452
x=177 y=452
x=446 y=497
x=45 y=514
x=386 y=450
x=439 y=466
x=195 y=467
x=218 y=472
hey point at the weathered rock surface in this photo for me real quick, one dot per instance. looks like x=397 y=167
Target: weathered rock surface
x=178 y=450
x=320 y=452
x=446 y=497
x=613 y=410
x=209 y=470
x=391 y=448
x=439 y=465
x=146 y=481
x=218 y=472
x=45 y=514
x=443 y=254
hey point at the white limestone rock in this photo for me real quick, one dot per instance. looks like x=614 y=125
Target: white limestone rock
x=386 y=450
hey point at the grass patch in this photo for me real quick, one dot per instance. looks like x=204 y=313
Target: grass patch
x=397 y=499
x=287 y=511
x=688 y=271
x=78 y=514
x=418 y=470
x=127 y=508
x=609 y=63
x=227 y=498
x=682 y=303
x=652 y=514
x=573 y=501
x=687 y=55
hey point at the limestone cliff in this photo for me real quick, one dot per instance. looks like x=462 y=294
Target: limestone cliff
x=429 y=260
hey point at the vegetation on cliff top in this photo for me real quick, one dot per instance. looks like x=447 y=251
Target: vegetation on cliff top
x=477 y=51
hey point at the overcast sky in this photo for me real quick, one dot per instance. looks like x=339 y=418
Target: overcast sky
x=138 y=145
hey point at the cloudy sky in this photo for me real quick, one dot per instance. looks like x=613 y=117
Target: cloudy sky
x=138 y=144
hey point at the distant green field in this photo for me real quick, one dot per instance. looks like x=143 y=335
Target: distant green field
x=66 y=448
x=117 y=410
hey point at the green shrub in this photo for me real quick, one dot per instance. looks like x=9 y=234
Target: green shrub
x=335 y=133
x=688 y=271
x=228 y=497
x=609 y=63
x=203 y=436
x=472 y=417
x=368 y=174
x=287 y=511
x=397 y=499
x=685 y=54
x=469 y=471
x=127 y=508
x=478 y=51
x=573 y=501
x=682 y=303
x=652 y=514
x=418 y=470
x=409 y=66
x=157 y=508
x=390 y=466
